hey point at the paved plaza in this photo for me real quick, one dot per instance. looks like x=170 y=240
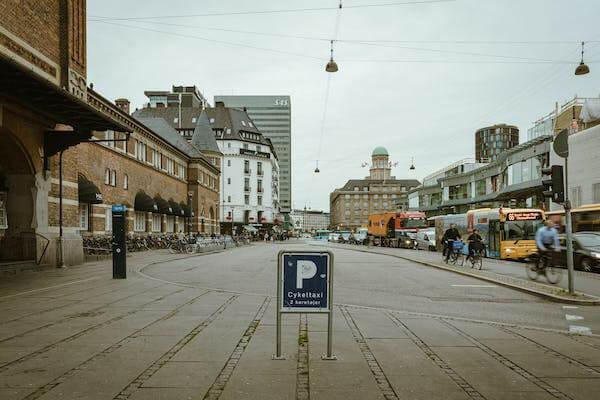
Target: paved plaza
x=203 y=327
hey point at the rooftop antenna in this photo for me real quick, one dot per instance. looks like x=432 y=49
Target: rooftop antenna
x=317 y=168
x=412 y=164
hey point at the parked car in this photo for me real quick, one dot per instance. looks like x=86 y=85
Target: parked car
x=359 y=237
x=586 y=251
x=426 y=239
x=406 y=241
x=334 y=237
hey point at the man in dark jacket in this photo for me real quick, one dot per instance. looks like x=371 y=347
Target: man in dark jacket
x=450 y=236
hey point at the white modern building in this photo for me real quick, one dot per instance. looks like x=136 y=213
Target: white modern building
x=250 y=170
x=272 y=116
x=584 y=167
x=309 y=220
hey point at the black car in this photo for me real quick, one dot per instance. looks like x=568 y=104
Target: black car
x=586 y=251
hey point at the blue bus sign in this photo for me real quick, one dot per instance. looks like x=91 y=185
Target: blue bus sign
x=305 y=282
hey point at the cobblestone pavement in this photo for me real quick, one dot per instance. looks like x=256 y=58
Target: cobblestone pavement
x=203 y=327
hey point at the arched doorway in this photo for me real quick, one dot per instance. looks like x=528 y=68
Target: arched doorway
x=17 y=234
x=211 y=216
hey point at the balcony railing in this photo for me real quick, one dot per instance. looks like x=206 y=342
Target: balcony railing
x=260 y=172
x=260 y=190
x=246 y=189
x=247 y=171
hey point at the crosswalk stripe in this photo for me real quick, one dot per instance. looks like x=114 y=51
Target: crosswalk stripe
x=581 y=330
x=570 y=317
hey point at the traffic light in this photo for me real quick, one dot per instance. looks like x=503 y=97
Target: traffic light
x=554 y=184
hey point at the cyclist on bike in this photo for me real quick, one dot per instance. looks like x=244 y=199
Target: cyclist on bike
x=546 y=239
x=475 y=242
x=450 y=236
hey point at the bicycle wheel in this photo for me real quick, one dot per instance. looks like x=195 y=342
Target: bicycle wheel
x=190 y=248
x=453 y=258
x=173 y=248
x=553 y=274
x=532 y=270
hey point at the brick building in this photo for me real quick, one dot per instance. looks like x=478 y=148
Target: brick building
x=351 y=204
x=46 y=111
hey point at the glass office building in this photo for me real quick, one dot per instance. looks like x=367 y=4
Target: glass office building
x=272 y=116
x=492 y=141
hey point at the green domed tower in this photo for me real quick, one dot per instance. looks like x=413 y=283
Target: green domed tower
x=380 y=165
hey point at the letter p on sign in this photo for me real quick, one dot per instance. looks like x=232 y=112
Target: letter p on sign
x=305 y=269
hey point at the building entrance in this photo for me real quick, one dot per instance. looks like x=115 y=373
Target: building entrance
x=17 y=235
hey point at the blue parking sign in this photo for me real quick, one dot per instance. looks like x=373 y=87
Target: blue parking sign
x=305 y=282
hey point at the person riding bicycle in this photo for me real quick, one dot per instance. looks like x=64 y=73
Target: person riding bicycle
x=475 y=242
x=450 y=236
x=546 y=239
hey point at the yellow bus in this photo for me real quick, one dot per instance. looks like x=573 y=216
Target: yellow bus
x=585 y=218
x=507 y=233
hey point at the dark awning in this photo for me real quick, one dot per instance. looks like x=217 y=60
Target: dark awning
x=23 y=86
x=176 y=207
x=143 y=202
x=88 y=191
x=187 y=210
x=163 y=205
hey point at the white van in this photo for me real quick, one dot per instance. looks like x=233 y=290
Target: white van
x=426 y=239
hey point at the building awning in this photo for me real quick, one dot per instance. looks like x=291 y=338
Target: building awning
x=250 y=228
x=143 y=202
x=29 y=89
x=175 y=207
x=163 y=205
x=187 y=210
x=88 y=191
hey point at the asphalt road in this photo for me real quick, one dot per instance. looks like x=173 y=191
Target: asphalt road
x=203 y=327
x=379 y=281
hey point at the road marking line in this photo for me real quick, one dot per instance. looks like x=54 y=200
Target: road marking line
x=48 y=288
x=475 y=286
x=569 y=307
x=581 y=330
x=570 y=317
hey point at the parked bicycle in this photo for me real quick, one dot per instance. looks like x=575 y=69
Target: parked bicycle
x=182 y=246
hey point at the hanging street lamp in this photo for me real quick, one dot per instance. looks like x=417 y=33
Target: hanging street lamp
x=582 y=68
x=331 y=65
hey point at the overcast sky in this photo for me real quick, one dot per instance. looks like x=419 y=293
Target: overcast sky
x=416 y=88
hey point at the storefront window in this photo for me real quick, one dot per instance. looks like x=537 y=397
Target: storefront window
x=170 y=223
x=480 y=187
x=108 y=219
x=156 y=222
x=139 y=224
x=3 y=213
x=83 y=216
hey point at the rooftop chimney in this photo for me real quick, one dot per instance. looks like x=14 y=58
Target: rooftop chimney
x=123 y=104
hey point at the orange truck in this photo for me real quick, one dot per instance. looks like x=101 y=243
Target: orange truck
x=395 y=229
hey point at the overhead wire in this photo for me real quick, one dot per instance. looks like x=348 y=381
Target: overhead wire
x=275 y=11
x=336 y=29
x=213 y=40
x=363 y=41
x=521 y=60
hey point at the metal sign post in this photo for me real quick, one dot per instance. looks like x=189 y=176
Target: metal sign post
x=119 y=245
x=305 y=285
